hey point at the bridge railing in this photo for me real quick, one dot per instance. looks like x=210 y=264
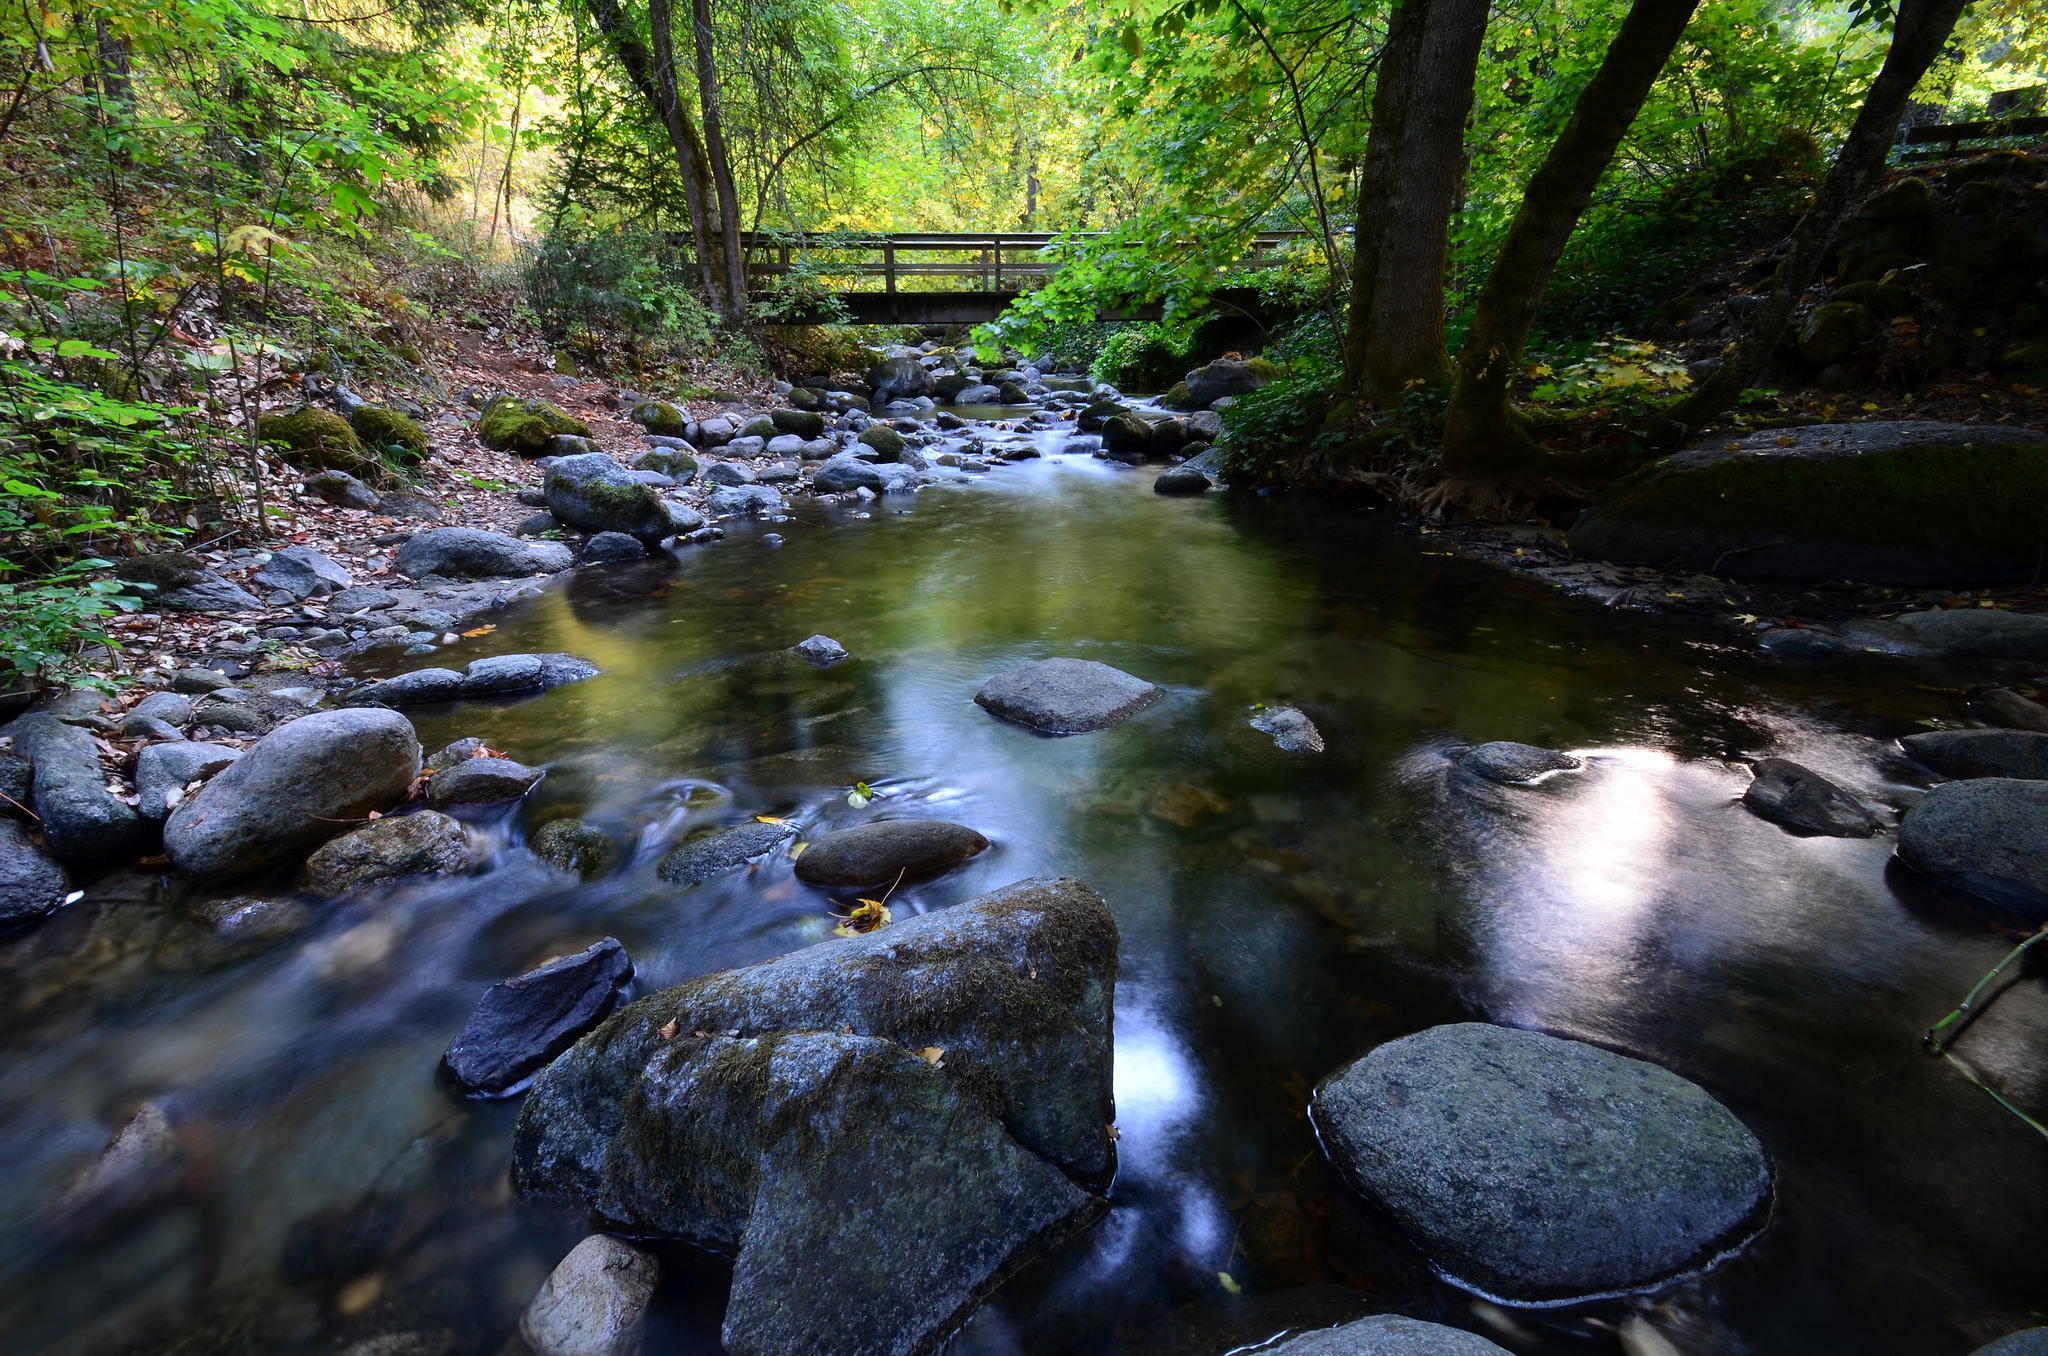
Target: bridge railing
x=973 y=261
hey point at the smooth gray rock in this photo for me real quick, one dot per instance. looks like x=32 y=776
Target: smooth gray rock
x=148 y=727
x=919 y=1094
x=1181 y=480
x=505 y=674
x=1290 y=730
x=197 y=681
x=1506 y=761
x=417 y=688
x=1786 y=642
x=1387 y=1335
x=1222 y=378
x=342 y=490
x=1203 y=426
x=846 y=472
x=728 y=500
x=538 y=525
x=397 y=846
x=593 y=493
x=2026 y=1342
x=1955 y=633
x=83 y=822
x=593 y=1302
x=480 y=781
x=682 y=518
x=1981 y=753
x=212 y=594
x=899 y=378
x=163 y=768
x=1066 y=696
x=888 y=849
x=173 y=708
x=524 y=1022
x=454 y=754
x=980 y=393
x=361 y=598
x=1800 y=797
x=32 y=882
x=728 y=473
x=17 y=778
x=822 y=651
x=294 y=789
x=575 y=846
x=715 y=854
x=607 y=547
x=2014 y=712
x=471 y=553
x=303 y=573
x=1536 y=1168
x=1987 y=837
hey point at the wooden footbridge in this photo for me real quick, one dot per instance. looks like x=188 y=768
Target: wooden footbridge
x=954 y=277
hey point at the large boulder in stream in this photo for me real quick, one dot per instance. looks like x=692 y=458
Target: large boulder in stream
x=1503 y=760
x=1537 y=1168
x=899 y=379
x=1387 y=1335
x=1066 y=696
x=1987 y=837
x=1800 y=798
x=84 y=823
x=1893 y=502
x=392 y=848
x=1981 y=753
x=297 y=787
x=1954 y=633
x=593 y=493
x=885 y=1127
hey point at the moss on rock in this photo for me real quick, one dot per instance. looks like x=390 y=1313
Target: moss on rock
x=379 y=427
x=313 y=439
x=803 y=423
x=886 y=441
x=525 y=428
x=1834 y=332
x=658 y=416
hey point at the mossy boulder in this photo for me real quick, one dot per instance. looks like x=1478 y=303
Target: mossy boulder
x=1882 y=300
x=1093 y=416
x=1834 y=332
x=2024 y=358
x=658 y=416
x=761 y=426
x=592 y=493
x=1126 y=437
x=390 y=429
x=669 y=461
x=314 y=439
x=1176 y=398
x=1909 y=503
x=1909 y=199
x=806 y=424
x=526 y=428
x=886 y=441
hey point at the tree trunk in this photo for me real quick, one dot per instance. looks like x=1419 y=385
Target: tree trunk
x=1406 y=339
x=1923 y=29
x=655 y=79
x=1376 y=180
x=1481 y=435
x=721 y=159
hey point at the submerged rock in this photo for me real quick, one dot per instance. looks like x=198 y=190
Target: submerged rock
x=1537 y=1168
x=32 y=883
x=696 y=862
x=576 y=846
x=1981 y=753
x=919 y=1095
x=295 y=788
x=1506 y=761
x=1800 y=797
x=422 y=844
x=1987 y=837
x=1291 y=731
x=880 y=852
x=223 y=931
x=524 y=1022
x=1387 y=1335
x=1066 y=696
x=821 y=651
x=138 y=1168
x=592 y=1302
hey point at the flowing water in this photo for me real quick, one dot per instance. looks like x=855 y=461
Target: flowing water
x=1280 y=915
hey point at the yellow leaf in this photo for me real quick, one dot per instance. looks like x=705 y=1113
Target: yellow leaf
x=797 y=851
x=480 y=631
x=670 y=1028
x=1228 y=1284
x=934 y=1055
x=768 y=819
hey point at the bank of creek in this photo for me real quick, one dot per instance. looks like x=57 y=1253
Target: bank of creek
x=1287 y=895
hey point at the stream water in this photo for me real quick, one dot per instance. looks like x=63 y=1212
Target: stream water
x=1280 y=915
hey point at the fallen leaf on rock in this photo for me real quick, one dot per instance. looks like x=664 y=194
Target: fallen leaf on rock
x=669 y=1029
x=1223 y=1278
x=934 y=1055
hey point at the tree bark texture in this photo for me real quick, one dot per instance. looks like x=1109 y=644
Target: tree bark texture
x=646 y=71
x=1377 y=177
x=1481 y=436
x=1406 y=339
x=720 y=158
x=1923 y=29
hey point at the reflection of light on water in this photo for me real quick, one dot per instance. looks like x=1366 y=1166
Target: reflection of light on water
x=1605 y=844
x=1157 y=1098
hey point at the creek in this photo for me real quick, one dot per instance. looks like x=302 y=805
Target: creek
x=1280 y=913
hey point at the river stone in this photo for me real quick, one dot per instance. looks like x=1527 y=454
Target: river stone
x=480 y=781
x=1387 y=1335
x=505 y=674
x=917 y=1095
x=1292 y=731
x=471 y=553
x=728 y=473
x=1066 y=696
x=1987 y=837
x=1803 y=799
x=888 y=849
x=1506 y=761
x=576 y=846
x=136 y=1169
x=2026 y=1342
x=17 y=777
x=805 y=424
x=847 y=472
x=593 y=493
x=212 y=595
x=173 y=708
x=899 y=378
x=303 y=573
x=592 y=1302
x=682 y=519
x=524 y=1022
x=163 y=768
x=410 y=689
x=608 y=547
x=1802 y=642
x=1222 y=378
x=294 y=789
x=32 y=882
x=422 y=844
x=1536 y=1168
x=821 y=651
x=82 y=821
x=1909 y=503
x=1181 y=480
x=728 y=500
x=361 y=598
x=341 y=489
x=2013 y=711
x=715 y=854
x=1982 y=753
x=1955 y=633
x=224 y=931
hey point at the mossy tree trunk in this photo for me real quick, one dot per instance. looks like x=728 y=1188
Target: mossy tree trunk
x=735 y=259
x=1415 y=163
x=1922 y=30
x=1482 y=437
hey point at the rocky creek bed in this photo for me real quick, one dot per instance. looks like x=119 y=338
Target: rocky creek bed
x=1022 y=901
